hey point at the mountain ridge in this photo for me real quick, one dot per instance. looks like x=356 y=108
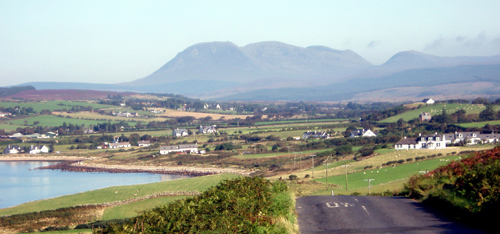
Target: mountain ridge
x=216 y=69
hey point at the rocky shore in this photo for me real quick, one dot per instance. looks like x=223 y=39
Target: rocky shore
x=80 y=164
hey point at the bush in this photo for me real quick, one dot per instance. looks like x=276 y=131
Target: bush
x=244 y=205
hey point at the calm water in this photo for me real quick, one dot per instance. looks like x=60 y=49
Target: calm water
x=19 y=184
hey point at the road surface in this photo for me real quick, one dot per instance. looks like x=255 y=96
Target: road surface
x=369 y=214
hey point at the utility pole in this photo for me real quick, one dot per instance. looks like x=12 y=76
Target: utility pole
x=326 y=172
x=369 y=185
x=312 y=156
x=346 y=184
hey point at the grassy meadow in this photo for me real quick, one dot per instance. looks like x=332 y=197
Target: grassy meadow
x=436 y=109
x=118 y=193
x=54 y=121
x=53 y=105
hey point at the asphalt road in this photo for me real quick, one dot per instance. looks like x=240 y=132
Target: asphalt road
x=368 y=214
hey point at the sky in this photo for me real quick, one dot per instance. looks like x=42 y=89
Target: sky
x=120 y=41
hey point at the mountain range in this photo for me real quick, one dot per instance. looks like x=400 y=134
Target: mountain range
x=275 y=71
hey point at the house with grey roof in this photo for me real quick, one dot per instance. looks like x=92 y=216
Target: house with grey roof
x=188 y=149
x=13 y=149
x=471 y=138
x=436 y=141
x=180 y=132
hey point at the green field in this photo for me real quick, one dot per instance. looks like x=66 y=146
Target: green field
x=133 y=209
x=436 y=109
x=53 y=105
x=479 y=124
x=118 y=193
x=387 y=174
x=54 y=121
x=299 y=121
x=10 y=127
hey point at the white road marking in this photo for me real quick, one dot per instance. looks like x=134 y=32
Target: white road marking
x=364 y=208
x=355 y=199
x=335 y=205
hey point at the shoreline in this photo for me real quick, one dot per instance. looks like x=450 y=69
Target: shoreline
x=25 y=157
x=82 y=164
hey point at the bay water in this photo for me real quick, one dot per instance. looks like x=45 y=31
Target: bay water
x=20 y=183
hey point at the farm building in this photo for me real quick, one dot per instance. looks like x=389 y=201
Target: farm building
x=144 y=143
x=193 y=148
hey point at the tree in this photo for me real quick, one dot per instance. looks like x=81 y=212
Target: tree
x=487 y=114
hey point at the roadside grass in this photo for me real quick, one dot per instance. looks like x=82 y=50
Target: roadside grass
x=54 y=121
x=53 y=105
x=436 y=109
x=134 y=209
x=386 y=174
x=118 y=193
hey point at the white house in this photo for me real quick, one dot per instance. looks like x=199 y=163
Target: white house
x=119 y=145
x=180 y=132
x=12 y=149
x=38 y=149
x=144 y=143
x=207 y=129
x=362 y=133
x=471 y=138
x=436 y=141
x=428 y=101
x=315 y=134
x=190 y=149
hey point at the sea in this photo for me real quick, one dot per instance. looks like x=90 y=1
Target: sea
x=20 y=182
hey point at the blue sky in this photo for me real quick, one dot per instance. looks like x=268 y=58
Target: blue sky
x=118 y=41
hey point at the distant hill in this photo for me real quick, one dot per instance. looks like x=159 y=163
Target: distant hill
x=347 y=90
x=278 y=71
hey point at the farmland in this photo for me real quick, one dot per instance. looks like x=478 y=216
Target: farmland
x=53 y=105
x=198 y=115
x=437 y=109
x=53 y=121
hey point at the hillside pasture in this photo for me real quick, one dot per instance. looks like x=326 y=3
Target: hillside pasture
x=436 y=109
x=53 y=105
x=479 y=124
x=97 y=116
x=54 y=121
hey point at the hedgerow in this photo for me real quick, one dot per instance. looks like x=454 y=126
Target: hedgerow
x=243 y=205
x=468 y=189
